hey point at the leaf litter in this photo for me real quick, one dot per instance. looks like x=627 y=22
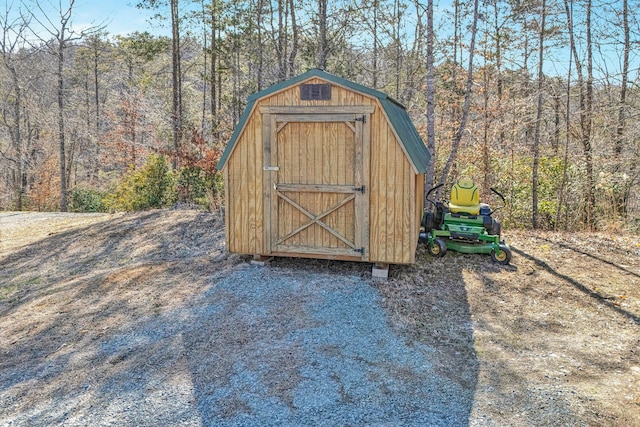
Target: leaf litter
x=142 y=319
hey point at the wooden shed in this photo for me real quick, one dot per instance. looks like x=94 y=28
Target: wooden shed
x=322 y=167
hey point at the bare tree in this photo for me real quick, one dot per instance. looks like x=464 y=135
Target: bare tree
x=176 y=79
x=369 y=13
x=586 y=106
x=61 y=37
x=431 y=132
x=10 y=43
x=295 y=39
x=565 y=165
x=625 y=75
x=397 y=14
x=216 y=75
x=205 y=66
x=259 y=11
x=498 y=36
x=176 y=69
x=467 y=97
x=323 y=44
x=587 y=122
x=375 y=6
x=280 y=37
x=536 y=137
x=92 y=57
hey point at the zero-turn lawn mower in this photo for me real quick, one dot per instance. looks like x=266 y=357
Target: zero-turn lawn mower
x=464 y=224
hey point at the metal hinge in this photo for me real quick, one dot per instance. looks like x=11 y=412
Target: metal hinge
x=362 y=119
x=360 y=251
x=361 y=189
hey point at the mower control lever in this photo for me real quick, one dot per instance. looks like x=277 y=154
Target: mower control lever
x=431 y=191
x=498 y=193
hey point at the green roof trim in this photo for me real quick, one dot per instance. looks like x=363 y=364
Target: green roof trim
x=395 y=111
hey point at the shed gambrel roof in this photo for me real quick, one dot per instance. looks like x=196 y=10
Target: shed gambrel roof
x=395 y=112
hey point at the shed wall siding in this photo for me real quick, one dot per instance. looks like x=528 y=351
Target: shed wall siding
x=244 y=186
x=392 y=187
x=419 y=210
x=394 y=194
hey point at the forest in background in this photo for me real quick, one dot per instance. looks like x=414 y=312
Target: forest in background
x=537 y=98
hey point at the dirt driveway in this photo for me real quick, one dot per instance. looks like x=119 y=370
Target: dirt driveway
x=144 y=319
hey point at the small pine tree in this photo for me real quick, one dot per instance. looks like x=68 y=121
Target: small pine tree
x=147 y=188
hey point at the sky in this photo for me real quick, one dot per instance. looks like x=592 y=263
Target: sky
x=119 y=17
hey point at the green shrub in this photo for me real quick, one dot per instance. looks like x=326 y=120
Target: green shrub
x=198 y=181
x=196 y=185
x=191 y=185
x=147 y=188
x=515 y=183
x=87 y=200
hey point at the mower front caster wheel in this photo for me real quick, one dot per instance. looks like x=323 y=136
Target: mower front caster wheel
x=437 y=248
x=503 y=256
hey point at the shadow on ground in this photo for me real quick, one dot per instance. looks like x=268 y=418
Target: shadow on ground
x=309 y=342
x=144 y=320
x=88 y=326
x=556 y=338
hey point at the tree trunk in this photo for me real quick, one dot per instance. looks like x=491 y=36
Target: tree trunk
x=376 y=5
x=467 y=96
x=63 y=161
x=499 y=83
x=96 y=93
x=260 y=44
x=586 y=91
x=588 y=120
x=281 y=42
x=536 y=138
x=205 y=67
x=556 y=123
x=398 y=46
x=619 y=142
x=295 y=39
x=96 y=99
x=176 y=80
x=322 y=34
x=565 y=175
x=20 y=172
x=214 y=68
x=486 y=119
x=431 y=133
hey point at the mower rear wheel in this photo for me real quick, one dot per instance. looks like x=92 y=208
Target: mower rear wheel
x=437 y=248
x=503 y=256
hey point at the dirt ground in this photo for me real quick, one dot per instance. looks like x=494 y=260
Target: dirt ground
x=552 y=339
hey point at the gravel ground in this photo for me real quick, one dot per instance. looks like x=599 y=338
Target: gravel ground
x=308 y=349
x=144 y=319
x=262 y=346
x=224 y=344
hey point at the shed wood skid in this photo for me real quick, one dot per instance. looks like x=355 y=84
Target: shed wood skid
x=341 y=178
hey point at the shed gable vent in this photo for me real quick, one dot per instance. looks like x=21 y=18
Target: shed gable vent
x=315 y=92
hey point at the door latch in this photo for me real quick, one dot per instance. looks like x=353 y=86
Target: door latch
x=362 y=189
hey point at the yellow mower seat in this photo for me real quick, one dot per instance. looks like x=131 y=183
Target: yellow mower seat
x=465 y=197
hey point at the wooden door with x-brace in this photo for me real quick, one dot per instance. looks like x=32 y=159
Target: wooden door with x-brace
x=316 y=181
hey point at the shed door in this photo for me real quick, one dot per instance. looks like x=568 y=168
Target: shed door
x=317 y=169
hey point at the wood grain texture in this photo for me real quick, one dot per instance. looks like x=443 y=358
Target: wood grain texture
x=322 y=153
